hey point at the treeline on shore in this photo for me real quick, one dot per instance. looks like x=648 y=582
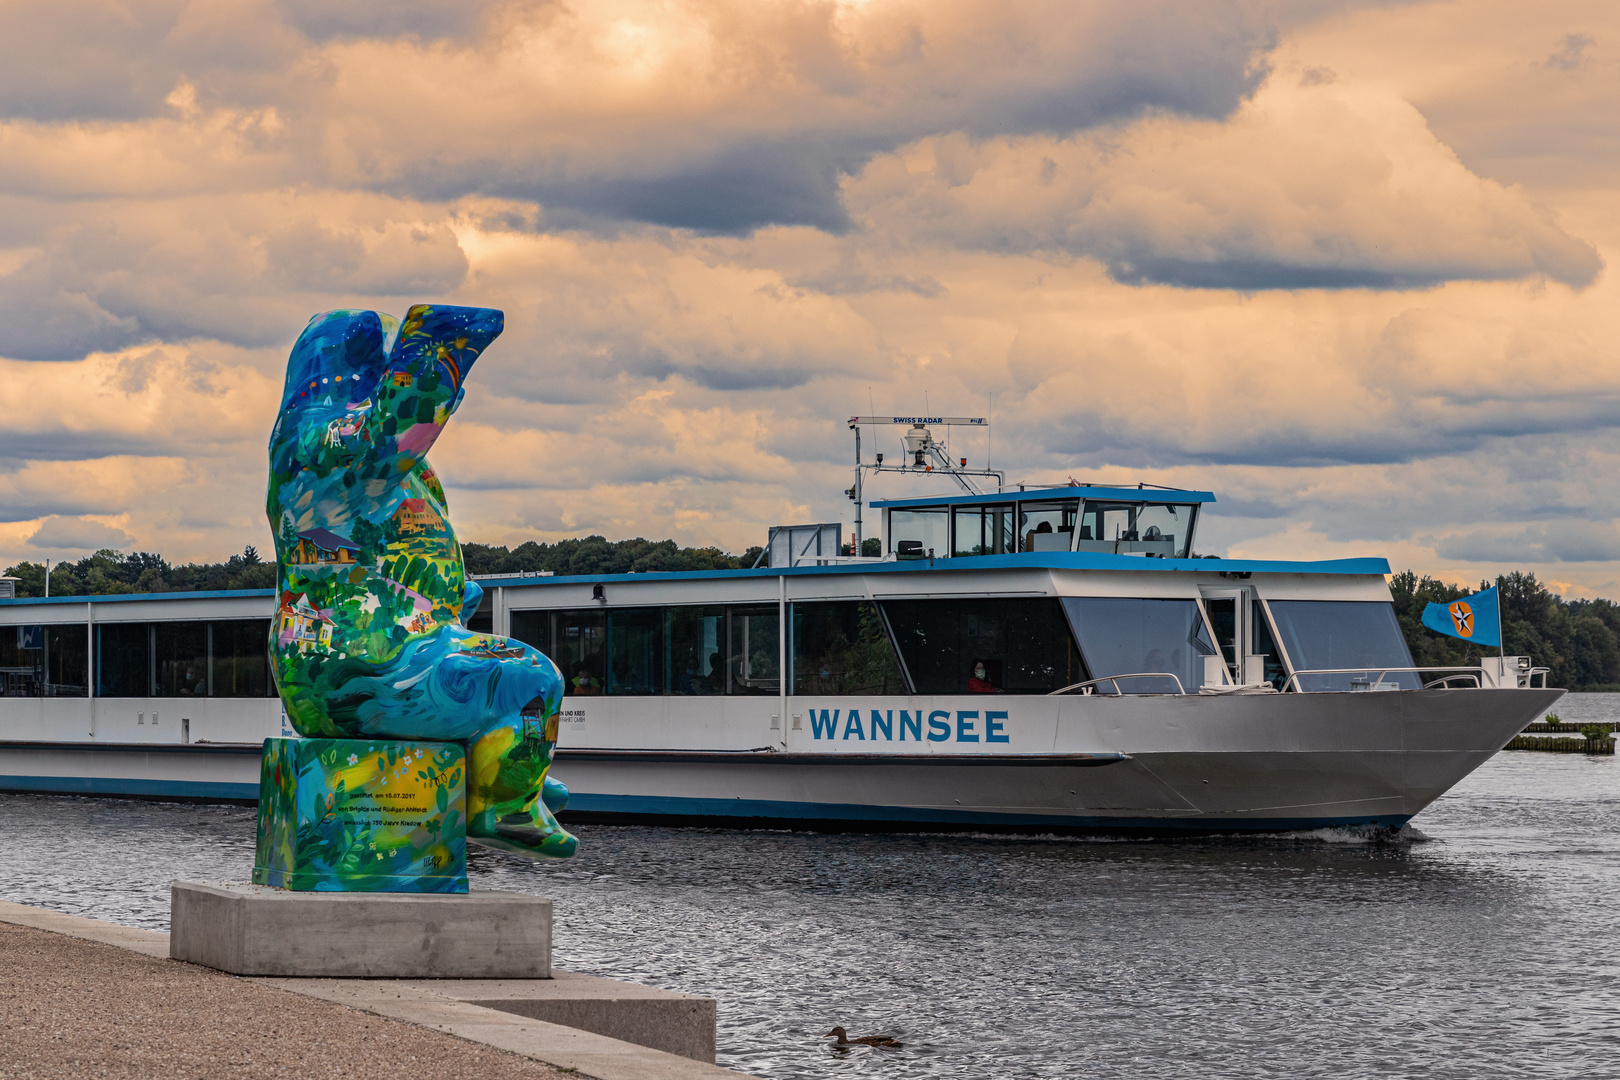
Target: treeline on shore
x=1578 y=639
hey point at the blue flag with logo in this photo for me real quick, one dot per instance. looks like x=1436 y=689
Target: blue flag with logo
x=1476 y=618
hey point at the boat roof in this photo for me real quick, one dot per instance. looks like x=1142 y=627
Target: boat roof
x=1067 y=491
x=1044 y=560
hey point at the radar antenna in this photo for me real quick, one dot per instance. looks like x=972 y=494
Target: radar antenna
x=927 y=457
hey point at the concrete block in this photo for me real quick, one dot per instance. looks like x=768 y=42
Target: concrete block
x=256 y=930
x=675 y=1023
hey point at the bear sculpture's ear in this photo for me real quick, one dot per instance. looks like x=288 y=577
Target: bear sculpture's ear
x=339 y=355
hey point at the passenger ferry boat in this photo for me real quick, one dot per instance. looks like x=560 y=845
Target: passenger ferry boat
x=1054 y=659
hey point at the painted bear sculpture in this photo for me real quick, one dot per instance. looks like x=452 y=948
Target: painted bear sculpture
x=369 y=638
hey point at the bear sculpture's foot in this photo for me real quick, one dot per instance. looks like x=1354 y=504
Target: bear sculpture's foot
x=533 y=833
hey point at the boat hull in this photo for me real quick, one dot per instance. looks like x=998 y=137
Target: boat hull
x=1157 y=765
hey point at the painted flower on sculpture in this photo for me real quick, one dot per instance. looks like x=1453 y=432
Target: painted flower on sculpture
x=353 y=758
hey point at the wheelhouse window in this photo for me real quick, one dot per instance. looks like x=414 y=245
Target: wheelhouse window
x=971 y=646
x=1047 y=526
x=1127 y=636
x=1343 y=634
x=928 y=527
x=841 y=647
x=1161 y=529
x=984 y=530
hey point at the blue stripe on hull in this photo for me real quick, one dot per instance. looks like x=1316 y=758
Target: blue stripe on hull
x=119 y=785
x=652 y=807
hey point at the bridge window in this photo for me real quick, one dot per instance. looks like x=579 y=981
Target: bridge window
x=1022 y=645
x=984 y=530
x=1046 y=526
x=1124 y=636
x=928 y=527
x=840 y=647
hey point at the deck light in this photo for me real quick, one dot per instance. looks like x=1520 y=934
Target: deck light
x=598 y=593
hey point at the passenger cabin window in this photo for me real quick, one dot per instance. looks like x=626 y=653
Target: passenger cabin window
x=841 y=647
x=1047 y=526
x=697 y=641
x=649 y=651
x=1121 y=636
x=239 y=659
x=181 y=653
x=1343 y=634
x=988 y=646
x=219 y=658
x=753 y=665
x=636 y=651
x=928 y=527
x=580 y=643
x=984 y=530
x=49 y=660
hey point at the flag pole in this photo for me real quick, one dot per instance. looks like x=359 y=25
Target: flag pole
x=1501 y=633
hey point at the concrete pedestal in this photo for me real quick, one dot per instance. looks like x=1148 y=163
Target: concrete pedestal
x=255 y=930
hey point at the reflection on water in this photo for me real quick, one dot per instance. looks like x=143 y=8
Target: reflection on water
x=1484 y=950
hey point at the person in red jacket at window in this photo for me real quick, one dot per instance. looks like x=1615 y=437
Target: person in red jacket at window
x=979 y=682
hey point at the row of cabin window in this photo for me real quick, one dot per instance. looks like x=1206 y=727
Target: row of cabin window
x=222 y=658
x=1001 y=529
x=835 y=647
x=1023 y=645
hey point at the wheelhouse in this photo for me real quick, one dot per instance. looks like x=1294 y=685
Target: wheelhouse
x=1151 y=522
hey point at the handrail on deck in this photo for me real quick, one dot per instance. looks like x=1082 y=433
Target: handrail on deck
x=1113 y=679
x=1473 y=671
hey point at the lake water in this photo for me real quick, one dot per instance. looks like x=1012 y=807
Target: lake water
x=1480 y=944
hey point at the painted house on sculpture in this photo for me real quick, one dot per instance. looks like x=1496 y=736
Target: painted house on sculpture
x=323 y=546
x=297 y=620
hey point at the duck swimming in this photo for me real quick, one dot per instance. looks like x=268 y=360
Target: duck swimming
x=865 y=1040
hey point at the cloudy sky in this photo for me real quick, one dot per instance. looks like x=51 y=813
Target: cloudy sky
x=1349 y=265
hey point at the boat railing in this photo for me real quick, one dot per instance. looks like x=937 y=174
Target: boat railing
x=1085 y=687
x=1447 y=674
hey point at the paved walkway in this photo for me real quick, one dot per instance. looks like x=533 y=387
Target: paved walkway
x=75 y=1008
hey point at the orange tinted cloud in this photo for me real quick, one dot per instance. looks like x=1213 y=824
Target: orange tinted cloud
x=1343 y=263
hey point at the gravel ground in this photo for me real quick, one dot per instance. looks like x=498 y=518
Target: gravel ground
x=71 y=1008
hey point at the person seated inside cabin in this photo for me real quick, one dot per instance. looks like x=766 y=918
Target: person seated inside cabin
x=979 y=682
x=716 y=678
x=583 y=681
x=1029 y=537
